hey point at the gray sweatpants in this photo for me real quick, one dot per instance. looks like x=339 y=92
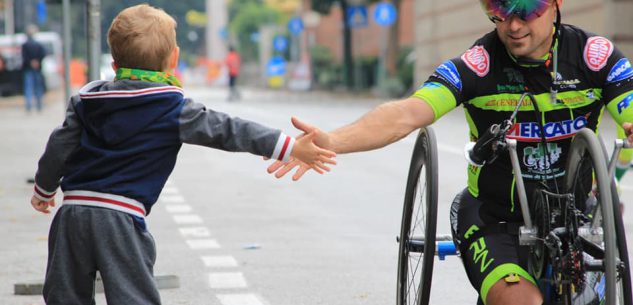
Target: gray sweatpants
x=85 y=239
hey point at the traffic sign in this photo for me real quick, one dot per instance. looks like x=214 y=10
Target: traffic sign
x=41 y=12
x=280 y=43
x=295 y=26
x=385 y=14
x=276 y=66
x=357 y=16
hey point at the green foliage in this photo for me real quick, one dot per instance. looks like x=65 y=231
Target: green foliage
x=177 y=9
x=405 y=67
x=109 y=9
x=325 y=72
x=246 y=17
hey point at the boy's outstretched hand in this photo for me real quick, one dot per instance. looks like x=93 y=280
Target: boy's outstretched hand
x=315 y=157
x=41 y=205
x=317 y=138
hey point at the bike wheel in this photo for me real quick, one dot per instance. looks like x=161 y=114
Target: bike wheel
x=419 y=220
x=627 y=287
x=596 y=265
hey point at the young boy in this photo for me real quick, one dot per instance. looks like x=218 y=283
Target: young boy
x=114 y=153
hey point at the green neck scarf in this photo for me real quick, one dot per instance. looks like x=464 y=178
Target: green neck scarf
x=147 y=76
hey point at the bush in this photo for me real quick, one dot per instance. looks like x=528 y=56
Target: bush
x=325 y=72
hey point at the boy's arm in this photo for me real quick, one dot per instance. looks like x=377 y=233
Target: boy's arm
x=206 y=127
x=61 y=143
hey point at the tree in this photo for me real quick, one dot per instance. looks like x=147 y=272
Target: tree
x=245 y=19
x=323 y=7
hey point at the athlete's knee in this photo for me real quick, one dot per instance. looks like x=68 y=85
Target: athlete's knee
x=522 y=292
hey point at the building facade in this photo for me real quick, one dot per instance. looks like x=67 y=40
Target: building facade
x=366 y=41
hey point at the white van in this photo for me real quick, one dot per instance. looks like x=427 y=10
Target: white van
x=52 y=65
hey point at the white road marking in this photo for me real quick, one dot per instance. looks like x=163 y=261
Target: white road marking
x=239 y=299
x=187 y=219
x=169 y=190
x=197 y=244
x=195 y=232
x=224 y=280
x=172 y=199
x=219 y=261
x=181 y=208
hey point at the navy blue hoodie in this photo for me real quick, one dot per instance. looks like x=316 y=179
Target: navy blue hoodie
x=119 y=143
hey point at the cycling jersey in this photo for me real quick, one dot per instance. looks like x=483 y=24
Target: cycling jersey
x=488 y=82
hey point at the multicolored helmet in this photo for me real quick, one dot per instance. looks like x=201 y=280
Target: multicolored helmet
x=500 y=10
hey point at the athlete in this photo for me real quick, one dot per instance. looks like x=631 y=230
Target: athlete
x=529 y=50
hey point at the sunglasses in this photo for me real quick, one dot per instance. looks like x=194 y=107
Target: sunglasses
x=527 y=10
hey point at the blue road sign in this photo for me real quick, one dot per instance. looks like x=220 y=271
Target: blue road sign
x=41 y=12
x=280 y=43
x=276 y=66
x=295 y=26
x=385 y=14
x=357 y=16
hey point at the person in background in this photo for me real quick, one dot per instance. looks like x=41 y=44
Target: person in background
x=233 y=62
x=32 y=55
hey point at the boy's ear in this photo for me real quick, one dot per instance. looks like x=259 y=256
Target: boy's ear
x=173 y=61
x=114 y=66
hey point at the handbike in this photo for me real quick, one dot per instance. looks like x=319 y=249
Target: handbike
x=578 y=252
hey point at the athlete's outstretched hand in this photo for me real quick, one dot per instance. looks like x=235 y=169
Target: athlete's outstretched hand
x=318 y=137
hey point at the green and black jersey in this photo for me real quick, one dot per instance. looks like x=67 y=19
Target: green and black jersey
x=488 y=82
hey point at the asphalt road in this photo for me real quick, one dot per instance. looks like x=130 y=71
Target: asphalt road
x=235 y=235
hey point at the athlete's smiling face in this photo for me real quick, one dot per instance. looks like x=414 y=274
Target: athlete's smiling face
x=530 y=39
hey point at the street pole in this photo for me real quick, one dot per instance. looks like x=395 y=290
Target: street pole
x=217 y=21
x=94 y=38
x=348 y=61
x=67 y=47
x=9 y=18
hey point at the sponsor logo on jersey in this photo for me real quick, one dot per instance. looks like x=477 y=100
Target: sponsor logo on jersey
x=431 y=85
x=597 y=52
x=534 y=158
x=449 y=72
x=625 y=103
x=531 y=131
x=566 y=83
x=621 y=71
x=477 y=60
x=591 y=95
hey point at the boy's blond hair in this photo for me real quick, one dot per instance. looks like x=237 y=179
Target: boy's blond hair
x=142 y=37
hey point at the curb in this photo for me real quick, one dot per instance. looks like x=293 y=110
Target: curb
x=36 y=287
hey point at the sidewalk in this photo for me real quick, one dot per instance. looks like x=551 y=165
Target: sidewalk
x=24 y=238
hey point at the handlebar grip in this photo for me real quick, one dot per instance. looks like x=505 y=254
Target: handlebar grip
x=483 y=149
